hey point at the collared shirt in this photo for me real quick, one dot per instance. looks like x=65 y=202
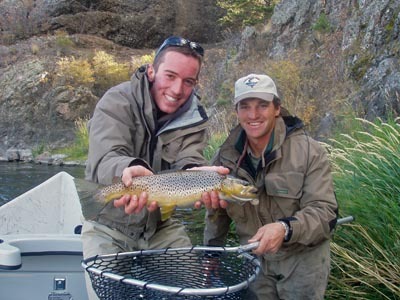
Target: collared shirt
x=255 y=161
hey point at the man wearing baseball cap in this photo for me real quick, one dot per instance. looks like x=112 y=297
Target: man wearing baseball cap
x=297 y=211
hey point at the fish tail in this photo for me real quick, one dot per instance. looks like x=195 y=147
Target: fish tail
x=90 y=196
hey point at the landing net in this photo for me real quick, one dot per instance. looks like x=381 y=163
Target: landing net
x=180 y=273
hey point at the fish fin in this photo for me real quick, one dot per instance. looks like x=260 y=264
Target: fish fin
x=116 y=179
x=167 y=211
x=92 y=202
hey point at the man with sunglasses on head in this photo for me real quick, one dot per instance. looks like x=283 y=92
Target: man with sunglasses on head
x=152 y=123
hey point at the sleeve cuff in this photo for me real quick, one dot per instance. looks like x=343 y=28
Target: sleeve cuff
x=140 y=162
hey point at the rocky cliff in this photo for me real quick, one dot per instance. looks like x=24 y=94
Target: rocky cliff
x=348 y=51
x=363 y=40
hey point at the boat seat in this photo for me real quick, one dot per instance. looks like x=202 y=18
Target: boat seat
x=15 y=246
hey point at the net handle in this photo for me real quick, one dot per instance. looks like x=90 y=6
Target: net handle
x=345 y=220
x=252 y=246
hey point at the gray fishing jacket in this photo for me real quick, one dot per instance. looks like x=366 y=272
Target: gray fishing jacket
x=124 y=131
x=295 y=185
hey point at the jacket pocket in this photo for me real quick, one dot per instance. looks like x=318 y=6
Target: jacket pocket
x=284 y=190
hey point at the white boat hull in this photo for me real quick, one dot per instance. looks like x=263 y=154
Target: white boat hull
x=40 y=244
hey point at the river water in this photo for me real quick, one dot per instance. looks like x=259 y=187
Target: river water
x=17 y=178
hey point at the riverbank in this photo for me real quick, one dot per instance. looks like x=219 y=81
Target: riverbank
x=46 y=158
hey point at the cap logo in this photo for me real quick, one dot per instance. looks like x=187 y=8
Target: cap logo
x=251 y=81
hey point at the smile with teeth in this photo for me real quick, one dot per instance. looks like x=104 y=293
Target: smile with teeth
x=171 y=99
x=254 y=124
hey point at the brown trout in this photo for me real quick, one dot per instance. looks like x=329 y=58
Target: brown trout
x=169 y=190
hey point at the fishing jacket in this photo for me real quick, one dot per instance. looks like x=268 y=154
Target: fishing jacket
x=294 y=185
x=124 y=131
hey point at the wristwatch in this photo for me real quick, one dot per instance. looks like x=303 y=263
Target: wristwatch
x=287 y=230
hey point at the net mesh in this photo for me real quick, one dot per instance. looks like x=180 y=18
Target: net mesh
x=186 y=273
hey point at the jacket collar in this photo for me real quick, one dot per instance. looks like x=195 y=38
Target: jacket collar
x=193 y=115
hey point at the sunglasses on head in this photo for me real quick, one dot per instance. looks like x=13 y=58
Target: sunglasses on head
x=181 y=42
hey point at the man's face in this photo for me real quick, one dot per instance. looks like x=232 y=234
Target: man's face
x=257 y=117
x=174 y=81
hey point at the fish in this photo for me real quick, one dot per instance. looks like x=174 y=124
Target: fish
x=169 y=189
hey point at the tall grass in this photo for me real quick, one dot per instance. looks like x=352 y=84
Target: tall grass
x=366 y=254
x=213 y=145
x=221 y=122
x=79 y=149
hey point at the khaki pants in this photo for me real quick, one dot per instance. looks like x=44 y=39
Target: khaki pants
x=301 y=276
x=98 y=239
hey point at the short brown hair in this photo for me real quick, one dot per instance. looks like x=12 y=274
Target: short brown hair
x=184 y=50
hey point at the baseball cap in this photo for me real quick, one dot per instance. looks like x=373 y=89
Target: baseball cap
x=255 y=86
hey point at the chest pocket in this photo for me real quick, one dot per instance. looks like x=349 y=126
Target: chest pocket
x=284 y=191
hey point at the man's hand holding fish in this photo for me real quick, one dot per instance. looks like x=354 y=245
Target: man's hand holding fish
x=211 y=199
x=135 y=204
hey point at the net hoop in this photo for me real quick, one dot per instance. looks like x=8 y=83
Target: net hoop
x=100 y=271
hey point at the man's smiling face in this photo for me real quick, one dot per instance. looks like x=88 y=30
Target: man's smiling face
x=257 y=117
x=174 y=81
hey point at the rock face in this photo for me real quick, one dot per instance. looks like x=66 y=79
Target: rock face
x=368 y=39
x=33 y=112
x=136 y=24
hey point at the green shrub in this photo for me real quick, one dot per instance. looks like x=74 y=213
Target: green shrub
x=107 y=71
x=79 y=149
x=75 y=71
x=287 y=76
x=39 y=149
x=225 y=94
x=361 y=66
x=102 y=71
x=214 y=143
x=137 y=62
x=63 y=41
x=322 y=24
x=82 y=134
